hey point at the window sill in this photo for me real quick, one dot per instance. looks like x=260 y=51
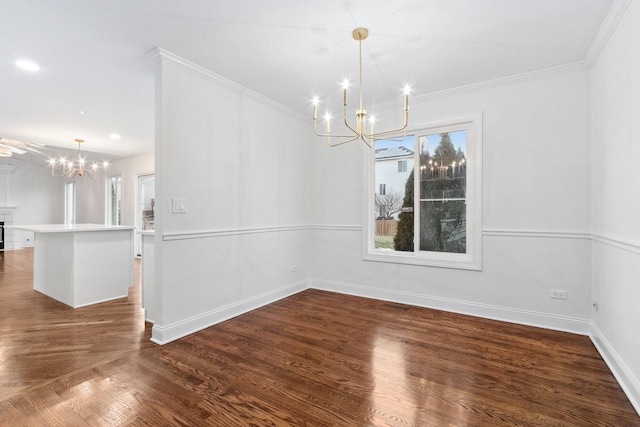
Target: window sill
x=440 y=260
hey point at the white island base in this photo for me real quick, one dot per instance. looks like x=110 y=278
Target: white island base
x=82 y=264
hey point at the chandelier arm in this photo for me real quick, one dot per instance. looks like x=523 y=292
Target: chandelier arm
x=335 y=144
x=376 y=135
x=346 y=123
x=368 y=143
x=329 y=135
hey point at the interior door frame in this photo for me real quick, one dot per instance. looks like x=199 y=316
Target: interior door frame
x=138 y=210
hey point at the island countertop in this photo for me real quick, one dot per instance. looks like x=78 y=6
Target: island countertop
x=66 y=228
x=82 y=264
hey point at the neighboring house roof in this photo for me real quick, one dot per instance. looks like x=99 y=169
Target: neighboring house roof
x=390 y=152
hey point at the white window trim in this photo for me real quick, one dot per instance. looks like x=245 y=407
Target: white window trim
x=69 y=203
x=472 y=260
x=108 y=201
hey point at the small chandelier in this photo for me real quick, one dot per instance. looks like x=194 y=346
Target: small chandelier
x=71 y=168
x=359 y=130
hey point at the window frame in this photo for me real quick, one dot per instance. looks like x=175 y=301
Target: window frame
x=472 y=259
x=110 y=215
x=69 y=203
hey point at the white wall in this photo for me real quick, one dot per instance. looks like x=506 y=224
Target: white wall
x=37 y=196
x=536 y=209
x=239 y=163
x=615 y=202
x=90 y=200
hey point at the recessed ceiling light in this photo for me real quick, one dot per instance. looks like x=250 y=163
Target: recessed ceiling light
x=27 y=65
x=81 y=112
x=115 y=136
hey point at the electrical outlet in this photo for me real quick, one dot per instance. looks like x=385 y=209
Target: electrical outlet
x=558 y=294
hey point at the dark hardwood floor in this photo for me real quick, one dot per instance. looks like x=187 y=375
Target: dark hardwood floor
x=314 y=359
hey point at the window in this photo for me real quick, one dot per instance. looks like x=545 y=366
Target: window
x=438 y=219
x=70 y=203
x=383 y=190
x=114 y=200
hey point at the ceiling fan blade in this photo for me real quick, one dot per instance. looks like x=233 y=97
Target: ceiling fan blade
x=20 y=147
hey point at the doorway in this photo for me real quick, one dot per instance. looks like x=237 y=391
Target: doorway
x=145 y=209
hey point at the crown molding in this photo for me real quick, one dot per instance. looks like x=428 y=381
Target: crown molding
x=502 y=81
x=606 y=31
x=161 y=55
x=607 y=28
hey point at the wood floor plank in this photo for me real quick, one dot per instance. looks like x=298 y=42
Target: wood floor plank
x=314 y=359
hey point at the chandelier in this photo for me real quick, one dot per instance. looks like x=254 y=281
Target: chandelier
x=359 y=130
x=71 y=168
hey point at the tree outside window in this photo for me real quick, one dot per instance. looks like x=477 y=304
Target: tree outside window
x=442 y=204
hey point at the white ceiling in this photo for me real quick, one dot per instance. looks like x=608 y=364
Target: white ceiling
x=94 y=57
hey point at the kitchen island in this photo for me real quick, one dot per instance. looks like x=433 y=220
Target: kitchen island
x=82 y=264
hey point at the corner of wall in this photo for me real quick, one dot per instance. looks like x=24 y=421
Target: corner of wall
x=629 y=383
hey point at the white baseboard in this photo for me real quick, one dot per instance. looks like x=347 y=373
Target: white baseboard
x=95 y=302
x=17 y=247
x=505 y=314
x=165 y=334
x=629 y=383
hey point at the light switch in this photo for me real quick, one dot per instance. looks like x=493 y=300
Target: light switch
x=179 y=206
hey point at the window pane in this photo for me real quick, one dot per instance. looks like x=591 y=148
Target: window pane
x=394 y=160
x=115 y=200
x=443 y=188
x=70 y=203
x=443 y=226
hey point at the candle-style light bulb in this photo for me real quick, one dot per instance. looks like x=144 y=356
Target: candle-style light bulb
x=406 y=91
x=345 y=87
x=316 y=101
x=327 y=118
